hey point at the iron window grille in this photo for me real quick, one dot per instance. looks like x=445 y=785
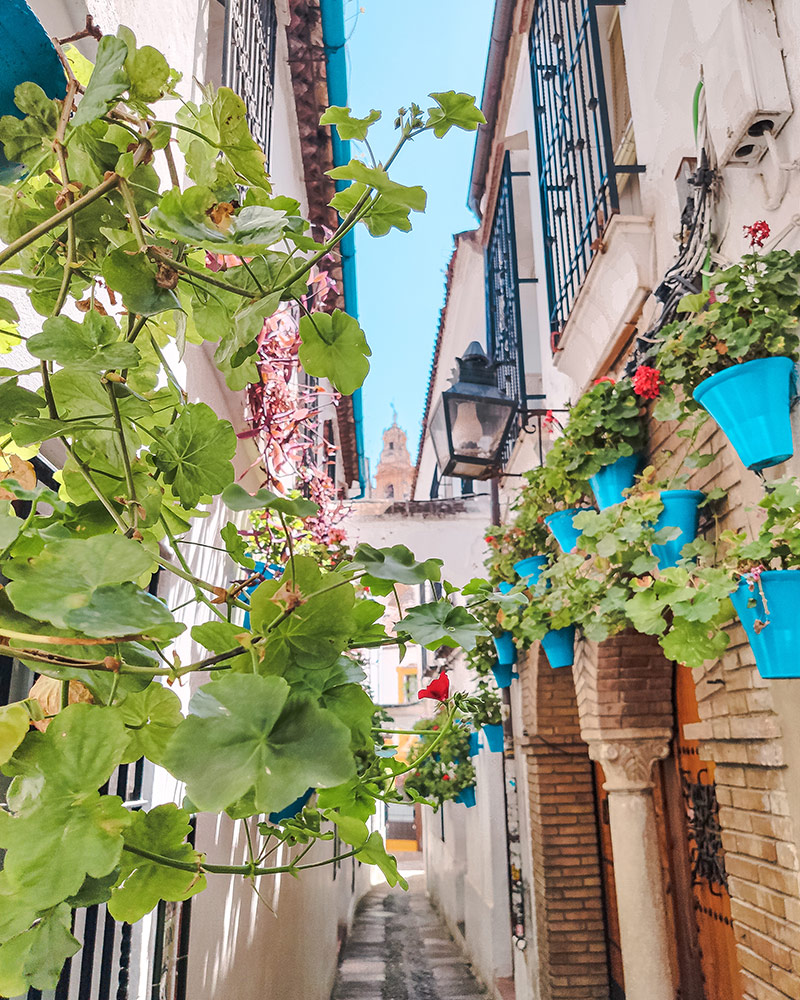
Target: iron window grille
x=248 y=61
x=578 y=184
x=503 y=316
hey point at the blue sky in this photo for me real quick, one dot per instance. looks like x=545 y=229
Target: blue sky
x=400 y=51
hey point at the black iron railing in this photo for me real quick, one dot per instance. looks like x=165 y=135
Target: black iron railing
x=503 y=318
x=577 y=173
x=248 y=61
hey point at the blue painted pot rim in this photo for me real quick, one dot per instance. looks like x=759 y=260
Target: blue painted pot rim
x=734 y=371
x=530 y=569
x=683 y=493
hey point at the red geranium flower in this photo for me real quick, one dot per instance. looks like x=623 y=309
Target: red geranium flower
x=647 y=382
x=604 y=378
x=757 y=233
x=445 y=777
x=438 y=689
x=549 y=421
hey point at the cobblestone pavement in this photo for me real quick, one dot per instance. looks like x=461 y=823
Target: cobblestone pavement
x=399 y=949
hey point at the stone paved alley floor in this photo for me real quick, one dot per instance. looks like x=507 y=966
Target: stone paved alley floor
x=399 y=949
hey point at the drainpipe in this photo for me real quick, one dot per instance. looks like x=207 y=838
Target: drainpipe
x=334 y=40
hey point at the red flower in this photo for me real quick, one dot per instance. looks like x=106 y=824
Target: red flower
x=445 y=777
x=757 y=233
x=549 y=421
x=647 y=382
x=489 y=539
x=438 y=689
x=604 y=378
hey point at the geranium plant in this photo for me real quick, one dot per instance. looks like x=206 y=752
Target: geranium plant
x=604 y=425
x=439 y=775
x=90 y=228
x=749 y=311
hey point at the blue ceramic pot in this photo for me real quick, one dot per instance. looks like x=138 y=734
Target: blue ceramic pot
x=28 y=54
x=506 y=651
x=467 y=796
x=505 y=587
x=530 y=569
x=292 y=809
x=775 y=646
x=564 y=531
x=474 y=744
x=608 y=484
x=559 y=645
x=504 y=674
x=680 y=511
x=494 y=737
x=750 y=402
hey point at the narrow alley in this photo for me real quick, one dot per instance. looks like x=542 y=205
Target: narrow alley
x=400 y=949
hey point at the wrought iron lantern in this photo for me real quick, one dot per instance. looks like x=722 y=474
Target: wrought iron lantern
x=471 y=419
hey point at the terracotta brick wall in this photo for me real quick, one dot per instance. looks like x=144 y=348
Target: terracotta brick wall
x=741 y=731
x=568 y=904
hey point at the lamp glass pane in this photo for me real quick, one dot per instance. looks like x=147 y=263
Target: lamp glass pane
x=477 y=426
x=438 y=428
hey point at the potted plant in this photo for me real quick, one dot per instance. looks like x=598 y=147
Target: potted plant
x=487 y=715
x=733 y=353
x=518 y=550
x=602 y=440
x=767 y=597
x=558 y=499
x=447 y=775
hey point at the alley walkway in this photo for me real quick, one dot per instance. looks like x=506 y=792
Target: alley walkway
x=399 y=949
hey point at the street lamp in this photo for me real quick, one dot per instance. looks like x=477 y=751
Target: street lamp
x=471 y=419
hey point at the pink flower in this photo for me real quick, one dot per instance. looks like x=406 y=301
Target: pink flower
x=757 y=233
x=647 y=382
x=438 y=689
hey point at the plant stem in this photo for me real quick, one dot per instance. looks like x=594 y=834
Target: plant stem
x=176 y=265
x=126 y=460
x=248 y=871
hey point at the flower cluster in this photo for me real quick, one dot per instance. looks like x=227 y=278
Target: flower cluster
x=757 y=233
x=647 y=382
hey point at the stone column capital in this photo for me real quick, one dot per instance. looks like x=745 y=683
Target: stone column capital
x=628 y=763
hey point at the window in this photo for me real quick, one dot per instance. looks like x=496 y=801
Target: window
x=503 y=321
x=390 y=491
x=248 y=61
x=391 y=446
x=582 y=162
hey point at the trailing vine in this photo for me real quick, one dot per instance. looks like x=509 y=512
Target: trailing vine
x=123 y=274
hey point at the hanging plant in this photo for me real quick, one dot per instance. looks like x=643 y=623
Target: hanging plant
x=439 y=775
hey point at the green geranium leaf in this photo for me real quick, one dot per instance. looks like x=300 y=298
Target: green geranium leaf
x=190 y=215
x=35 y=957
x=16 y=402
x=107 y=83
x=351 y=704
x=694 y=642
x=374 y=853
x=352 y=830
x=147 y=69
x=194 y=454
x=66 y=573
x=61 y=829
x=441 y=624
x=14 y=723
x=413 y=198
x=151 y=716
x=395 y=563
x=334 y=347
x=124 y=610
x=240 y=148
x=235 y=497
x=94 y=344
x=131 y=274
x=8 y=311
x=143 y=883
x=235 y=546
x=29 y=140
x=454 y=110
x=247 y=734
x=347 y=126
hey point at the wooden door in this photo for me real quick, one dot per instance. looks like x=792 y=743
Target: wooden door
x=711 y=901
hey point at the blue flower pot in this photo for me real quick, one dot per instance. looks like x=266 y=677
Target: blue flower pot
x=494 y=737
x=750 y=402
x=776 y=645
x=506 y=651
x=504 y=674
x=680 y=511
x=28 y=54
x=530 y=569
x=269 y=573
x=608 y=484
x=564 y=531
x=467 y=796
x=559 y=645
x=474 y=744
x=292 y=809
x=505 y=587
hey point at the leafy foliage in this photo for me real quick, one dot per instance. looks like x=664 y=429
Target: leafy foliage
x=145 y=271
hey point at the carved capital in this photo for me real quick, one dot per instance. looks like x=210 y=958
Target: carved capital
x=628 y=763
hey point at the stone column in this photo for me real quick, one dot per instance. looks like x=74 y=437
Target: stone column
x=627 y=764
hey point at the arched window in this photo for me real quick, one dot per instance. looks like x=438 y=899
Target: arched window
x=390 y=491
